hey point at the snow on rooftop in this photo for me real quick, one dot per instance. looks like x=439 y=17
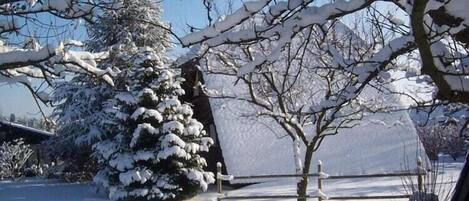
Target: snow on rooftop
x=32 y=130
x=255 y=146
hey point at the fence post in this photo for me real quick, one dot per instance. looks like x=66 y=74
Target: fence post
x=319 y=180
x=420 y=174
x=219 y=180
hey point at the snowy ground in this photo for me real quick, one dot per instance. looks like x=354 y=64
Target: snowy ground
x=53 y=190
x=352 y=187
x=50 y=190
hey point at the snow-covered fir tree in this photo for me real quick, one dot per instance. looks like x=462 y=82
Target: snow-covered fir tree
x=154 y=155
x=82 y=121
x=81 y=103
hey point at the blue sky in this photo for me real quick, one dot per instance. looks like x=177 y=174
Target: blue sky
x=180 y=13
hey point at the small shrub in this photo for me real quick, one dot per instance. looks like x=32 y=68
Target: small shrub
x=442 y=138
x=13 y=157
x=43 y=170
x=436 y=185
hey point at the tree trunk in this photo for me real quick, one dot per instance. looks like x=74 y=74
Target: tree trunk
x=302 y=185
x=297 y=156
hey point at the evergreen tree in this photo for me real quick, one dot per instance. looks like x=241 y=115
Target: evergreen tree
x=153 y=154
x=82 y=121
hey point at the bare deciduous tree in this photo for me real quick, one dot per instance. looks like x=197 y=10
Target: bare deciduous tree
x=301 y=87
x=436 y=30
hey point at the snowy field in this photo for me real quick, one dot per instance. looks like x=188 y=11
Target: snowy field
x=53 y=190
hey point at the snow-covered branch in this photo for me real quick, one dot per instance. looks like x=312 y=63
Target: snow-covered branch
x=62 y=8
x=50 y=61
x=453 y=87
x=24 y=57
x=430 y=21
x=224 y=32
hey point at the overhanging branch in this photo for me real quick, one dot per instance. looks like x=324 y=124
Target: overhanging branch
x=428 y=65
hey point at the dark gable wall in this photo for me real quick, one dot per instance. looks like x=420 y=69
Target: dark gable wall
x=461 y=191
x=202 y=111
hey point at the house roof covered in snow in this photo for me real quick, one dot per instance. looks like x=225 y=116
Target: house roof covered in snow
x=10 y=131
x=381 y=143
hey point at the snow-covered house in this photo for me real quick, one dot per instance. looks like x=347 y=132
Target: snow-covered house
x=381 y=143
x=10 y=131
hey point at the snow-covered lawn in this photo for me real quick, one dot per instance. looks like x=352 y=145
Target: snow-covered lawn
x=53 y=190
x=354 y=187
x=49 y=190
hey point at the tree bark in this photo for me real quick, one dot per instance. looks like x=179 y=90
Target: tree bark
x=302 y=185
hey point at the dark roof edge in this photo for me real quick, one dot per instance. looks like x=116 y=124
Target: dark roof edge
x=33 y=130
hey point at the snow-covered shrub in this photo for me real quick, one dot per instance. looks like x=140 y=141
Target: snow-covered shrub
x=13 y=157
x=43 y=170
x=34 y=171
x=153 y=151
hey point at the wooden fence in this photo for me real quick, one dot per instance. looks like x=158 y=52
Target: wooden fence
x=321 y=176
